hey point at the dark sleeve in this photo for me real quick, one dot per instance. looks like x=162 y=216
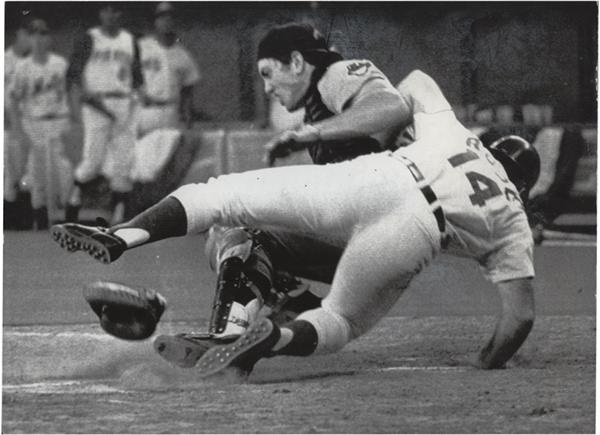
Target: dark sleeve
x=79 y=57
x=136 y=67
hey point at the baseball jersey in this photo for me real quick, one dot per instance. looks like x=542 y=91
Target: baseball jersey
x=332 y=91
x=345 y=81
x=166 y=69
x=484 y=212
x=41 y=88
x=105 y=64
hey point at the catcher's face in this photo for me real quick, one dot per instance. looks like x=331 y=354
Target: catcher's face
x=286 y=82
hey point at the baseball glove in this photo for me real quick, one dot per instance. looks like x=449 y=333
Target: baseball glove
x=125 y=312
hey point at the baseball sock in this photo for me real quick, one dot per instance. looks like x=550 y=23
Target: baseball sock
x=298 y=338
x=165 y=219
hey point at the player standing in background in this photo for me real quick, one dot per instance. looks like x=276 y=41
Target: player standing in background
x=15 y=153
x=40 y=117
x=104 y=78
x=169 y=76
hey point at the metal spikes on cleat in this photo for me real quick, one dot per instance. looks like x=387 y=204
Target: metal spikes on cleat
x=98 y=242
x=184 y=350
x=254 y=344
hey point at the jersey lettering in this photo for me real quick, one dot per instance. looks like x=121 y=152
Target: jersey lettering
x=462 y=158
x=107 y=55
x=46 y=85
x=151 y=64
x=484 y=188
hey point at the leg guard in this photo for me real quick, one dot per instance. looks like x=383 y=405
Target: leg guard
x=225 y=243
x=233 y=290
x=244 y=275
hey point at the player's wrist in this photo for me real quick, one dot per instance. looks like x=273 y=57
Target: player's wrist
x=311 y=133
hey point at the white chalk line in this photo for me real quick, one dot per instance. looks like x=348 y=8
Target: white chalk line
x=570 y=243
x=89 y=387
x=63 y=386
x=418 y=368
x=66 y=334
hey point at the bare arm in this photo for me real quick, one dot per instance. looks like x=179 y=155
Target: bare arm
x=379 y=111
x=513 y=326
x=375 y=112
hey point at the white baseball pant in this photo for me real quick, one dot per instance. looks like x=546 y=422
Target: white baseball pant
x=108 y=145
x=49 y=171
x=370 y=205
x=155 y=117
x=14 y=164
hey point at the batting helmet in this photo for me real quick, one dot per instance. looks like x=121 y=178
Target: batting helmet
x=520 y=160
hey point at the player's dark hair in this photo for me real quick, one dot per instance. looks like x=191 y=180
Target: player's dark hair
x=280 y=41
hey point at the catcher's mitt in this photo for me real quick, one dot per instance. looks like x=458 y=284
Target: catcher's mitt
x=125 y=312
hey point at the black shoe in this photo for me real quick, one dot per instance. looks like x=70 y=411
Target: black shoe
x=40 y=218
x=23 y=212
x=184 y=350
x=256 y=343
x=96 y=241
x=10 y=211
x=72 y=213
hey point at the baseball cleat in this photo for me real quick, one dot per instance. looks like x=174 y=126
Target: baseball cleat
x=242 y=354
x=184 y=350
x=96 y=241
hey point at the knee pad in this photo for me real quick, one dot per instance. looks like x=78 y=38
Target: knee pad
x=333 y=330
x=224 y=242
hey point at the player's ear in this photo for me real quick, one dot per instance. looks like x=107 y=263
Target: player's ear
x=297 y=62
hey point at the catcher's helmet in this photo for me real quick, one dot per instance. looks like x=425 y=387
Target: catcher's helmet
x=520 y=160
x=280 y=41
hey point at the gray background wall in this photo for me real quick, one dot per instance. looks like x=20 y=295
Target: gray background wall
x=483 y=53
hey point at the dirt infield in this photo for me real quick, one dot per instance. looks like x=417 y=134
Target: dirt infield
x=408 y=376
x=411 y=374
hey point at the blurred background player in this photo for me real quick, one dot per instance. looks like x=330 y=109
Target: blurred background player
x=166 y=110
x=170 y=74
x=104 y=77
x=39 y=117
x=16 y=203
